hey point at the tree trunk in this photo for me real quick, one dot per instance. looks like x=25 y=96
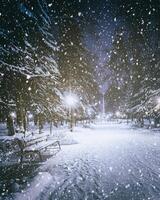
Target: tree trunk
x=51 y=125
x=19 y=112
x=149 y=119
x=155 y=122
x=24 y=121
x=10 y=126
x=35 y=120
x=132 y=118
x=40 y=120
x=142 y=122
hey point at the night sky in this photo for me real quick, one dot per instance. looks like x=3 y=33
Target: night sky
x=100 y=19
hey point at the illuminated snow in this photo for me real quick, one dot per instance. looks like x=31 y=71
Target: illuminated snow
x=110 y=161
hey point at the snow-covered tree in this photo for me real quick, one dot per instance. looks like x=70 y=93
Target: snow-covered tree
x=28 y=52
x=75 y=64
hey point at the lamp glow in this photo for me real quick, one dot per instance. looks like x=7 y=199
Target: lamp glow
x=71 y=100
x=13 y=115
x=118 y=114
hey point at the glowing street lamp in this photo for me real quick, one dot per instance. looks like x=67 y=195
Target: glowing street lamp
x=103 y=105
x=13 y=115
x=118 y=114
x=71 y=101
x=30 y=116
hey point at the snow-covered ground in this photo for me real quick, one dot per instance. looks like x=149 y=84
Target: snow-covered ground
x=110 y=161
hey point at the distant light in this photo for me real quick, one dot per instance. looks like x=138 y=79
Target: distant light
x=98 y=116
x=13 y=114
x=118 y=114
x=146 y=113
x=30 y=116
x=29 y=89
x=152 y=122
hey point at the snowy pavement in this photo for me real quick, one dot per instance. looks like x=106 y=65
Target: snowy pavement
x=111 y=161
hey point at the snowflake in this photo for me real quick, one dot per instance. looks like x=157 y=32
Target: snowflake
x=50 y=4
x=79 y=14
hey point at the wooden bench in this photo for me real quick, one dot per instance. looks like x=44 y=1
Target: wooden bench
x=33 y=150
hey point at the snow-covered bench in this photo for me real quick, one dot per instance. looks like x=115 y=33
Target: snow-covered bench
x=33 y=150
x=38 y=149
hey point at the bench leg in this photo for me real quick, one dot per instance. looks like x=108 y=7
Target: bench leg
x=21 y=157
x=40 y=156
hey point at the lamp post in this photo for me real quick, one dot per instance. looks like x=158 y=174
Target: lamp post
x=71 y=101
x=157 y=108
x=103 y=106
